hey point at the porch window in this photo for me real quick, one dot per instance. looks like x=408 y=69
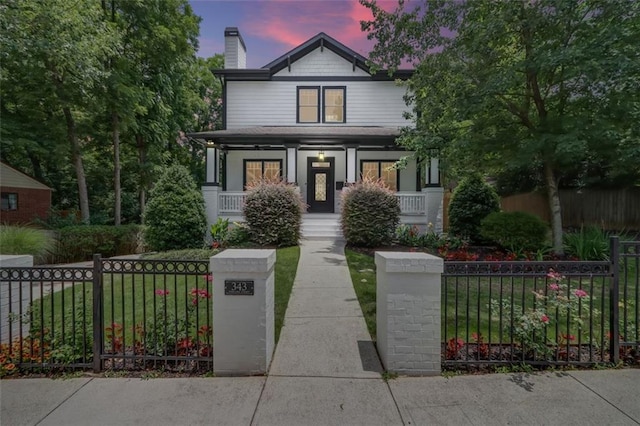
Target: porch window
x=334 y=101
x=9 y=201
x=309 y=104
x=381 y=169
x=258 y=169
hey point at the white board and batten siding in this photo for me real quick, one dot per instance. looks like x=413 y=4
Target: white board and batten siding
x=274 y=103
x=321 y=63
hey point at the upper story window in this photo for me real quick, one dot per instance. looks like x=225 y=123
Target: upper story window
x=332 y=109
x=255 y=170
x=9 y=201
x=384 y=170
x=334 y=101
x=309 y=104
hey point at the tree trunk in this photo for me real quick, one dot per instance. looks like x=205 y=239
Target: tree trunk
x=36 y=165
x=555 y=210
x=76 y=157
x=117 y=189
x=142 y=158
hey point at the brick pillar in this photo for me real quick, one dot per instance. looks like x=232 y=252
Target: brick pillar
x=409 y=312
x=243 y=311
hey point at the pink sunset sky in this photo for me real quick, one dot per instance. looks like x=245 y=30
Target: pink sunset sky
x=271 y=28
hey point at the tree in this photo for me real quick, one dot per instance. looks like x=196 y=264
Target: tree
x=175 y=218
x=53 y=55
x=549 y=83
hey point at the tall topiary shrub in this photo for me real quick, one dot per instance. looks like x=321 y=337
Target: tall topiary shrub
x=370 y=213
x=175 y=216
x=471 y=202
x=273 y=211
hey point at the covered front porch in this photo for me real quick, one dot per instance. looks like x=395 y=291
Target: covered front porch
x=320 y=162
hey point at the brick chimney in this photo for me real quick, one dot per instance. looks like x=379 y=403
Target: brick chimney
x=235 y=51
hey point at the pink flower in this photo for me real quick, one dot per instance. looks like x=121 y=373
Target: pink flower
x=208 y=277
x=161 y=292
x=554 y=275
x=554 y=287
x=580 y=293
x=200 y=292
x=544 y=319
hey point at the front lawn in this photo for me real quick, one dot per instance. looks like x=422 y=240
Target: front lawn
x=132 y=303
x=466 y=301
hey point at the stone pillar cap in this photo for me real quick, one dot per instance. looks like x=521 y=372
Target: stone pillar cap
x=393 y=261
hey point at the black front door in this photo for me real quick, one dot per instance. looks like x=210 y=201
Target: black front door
x=320 y=185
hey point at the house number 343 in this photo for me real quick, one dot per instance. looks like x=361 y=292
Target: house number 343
x=238 y=287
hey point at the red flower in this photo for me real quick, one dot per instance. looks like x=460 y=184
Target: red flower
x=544 y=319
x=161 y=292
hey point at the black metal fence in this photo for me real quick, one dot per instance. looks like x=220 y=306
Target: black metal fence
x=138 y=314
x=116 y=314
x=542 y=313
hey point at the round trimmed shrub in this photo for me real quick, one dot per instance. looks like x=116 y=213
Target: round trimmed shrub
x=471 y=202
x=273 y=212
x=370 y=213
x=175 y=217
x=515 y=231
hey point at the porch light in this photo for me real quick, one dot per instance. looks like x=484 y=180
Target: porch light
x=321 y=155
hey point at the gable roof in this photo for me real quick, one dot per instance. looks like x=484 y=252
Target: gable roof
x=12 y=178
x=321 y=41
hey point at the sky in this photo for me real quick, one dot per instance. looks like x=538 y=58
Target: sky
x=270 y=28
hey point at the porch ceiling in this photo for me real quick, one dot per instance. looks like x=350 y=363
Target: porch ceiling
x=311 y=135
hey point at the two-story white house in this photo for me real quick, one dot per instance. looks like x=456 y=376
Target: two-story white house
x=317 y=117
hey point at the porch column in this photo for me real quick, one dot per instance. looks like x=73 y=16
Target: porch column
x=432 y=172
x=210 y=192
x=292 y=163
x=213 y=165
x=352 y=163
x=434 y=193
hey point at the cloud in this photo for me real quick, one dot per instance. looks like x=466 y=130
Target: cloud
x=291 y=23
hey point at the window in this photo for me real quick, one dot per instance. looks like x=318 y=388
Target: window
x=259 y=169
x=308 y=104
x=380 y=169
x=333 y=109
x=9 y=201
x=334 y=101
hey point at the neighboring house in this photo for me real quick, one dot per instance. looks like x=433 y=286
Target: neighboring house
x=319 y=119
x=23 y=198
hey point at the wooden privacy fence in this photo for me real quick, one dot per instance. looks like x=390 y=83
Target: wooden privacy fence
x=616 y=209
x=609 y=208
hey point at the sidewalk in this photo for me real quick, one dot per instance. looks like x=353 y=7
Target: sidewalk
x=325 y=371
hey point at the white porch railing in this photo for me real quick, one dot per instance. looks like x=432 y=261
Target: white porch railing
x=231 y=202
x=413 y=203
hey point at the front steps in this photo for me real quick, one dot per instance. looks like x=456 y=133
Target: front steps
x=321 y=226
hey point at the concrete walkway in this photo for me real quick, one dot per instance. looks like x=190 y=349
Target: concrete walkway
x=325 y=368
x=325 y=371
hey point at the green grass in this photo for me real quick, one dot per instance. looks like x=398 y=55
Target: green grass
x=25 y=240
x=467 y=300
x=120 y=289
x=286 y=266
x=362 y=269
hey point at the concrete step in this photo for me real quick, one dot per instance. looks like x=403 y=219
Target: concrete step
x=321 y=228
